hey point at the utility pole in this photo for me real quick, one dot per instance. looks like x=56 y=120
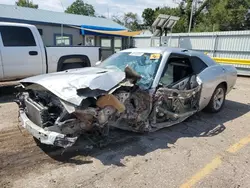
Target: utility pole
x=195 y=9
x=191 y=16
x=62 y=41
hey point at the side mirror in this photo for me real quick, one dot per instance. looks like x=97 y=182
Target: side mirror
x=98 y=63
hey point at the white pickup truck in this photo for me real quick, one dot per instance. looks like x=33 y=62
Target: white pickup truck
x=23 y=54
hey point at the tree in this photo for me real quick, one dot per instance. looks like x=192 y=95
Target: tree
x=225 y=15
x=184 y=12
x=231 y=14
x=118 y=19
x=129 y=20
x=26 y=3
x=81 y=8
x=148 y=16
x=208 y=15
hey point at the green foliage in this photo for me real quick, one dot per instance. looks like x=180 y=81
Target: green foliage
x=230 y=14
x=118 y=20
x=210 y=15
x=148 y=16
x=26 y=3
x=129 y=20
x=81 y=8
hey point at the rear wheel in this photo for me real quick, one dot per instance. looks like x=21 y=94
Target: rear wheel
x=217 y=100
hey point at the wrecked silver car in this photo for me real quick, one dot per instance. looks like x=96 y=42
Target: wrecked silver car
x=141 y=90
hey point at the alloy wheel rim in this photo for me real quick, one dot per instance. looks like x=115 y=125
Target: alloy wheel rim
x=218 y=98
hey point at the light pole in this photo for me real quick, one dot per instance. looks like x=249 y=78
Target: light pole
x=191 y=16
x=62 y=40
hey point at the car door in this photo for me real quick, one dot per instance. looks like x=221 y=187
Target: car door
x=177 y=96
x=21 y=56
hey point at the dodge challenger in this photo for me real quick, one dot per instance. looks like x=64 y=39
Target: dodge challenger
x=140 y=89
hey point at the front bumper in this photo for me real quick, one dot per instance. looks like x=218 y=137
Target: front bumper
x=46 y=137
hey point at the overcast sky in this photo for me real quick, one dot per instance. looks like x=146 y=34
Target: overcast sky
x=102 y=7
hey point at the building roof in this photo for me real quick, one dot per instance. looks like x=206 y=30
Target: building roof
x=22 y=14
x=157 y=49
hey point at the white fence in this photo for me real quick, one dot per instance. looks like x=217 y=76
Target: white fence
x=232 y=44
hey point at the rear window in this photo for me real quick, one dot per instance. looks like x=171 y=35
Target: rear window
x=17 y=36
x=197 y=64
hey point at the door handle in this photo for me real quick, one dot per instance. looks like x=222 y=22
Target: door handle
x=33 y=52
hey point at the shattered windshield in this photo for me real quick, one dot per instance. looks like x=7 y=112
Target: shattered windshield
x=145 y=64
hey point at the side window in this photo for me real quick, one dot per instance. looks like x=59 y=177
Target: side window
x=89 y=40
x=197 y=64
x=106 y=42
x=167 y=75
x=17 y=36
x=177 y=68
x=63 y=40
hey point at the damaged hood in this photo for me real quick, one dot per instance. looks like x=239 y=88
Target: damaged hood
x=65 y=84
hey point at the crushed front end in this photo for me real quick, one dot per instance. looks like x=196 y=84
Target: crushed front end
x=56 y=122
x=58 y=113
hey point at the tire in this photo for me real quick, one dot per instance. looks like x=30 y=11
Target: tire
x=217 y=100
x=67 y=66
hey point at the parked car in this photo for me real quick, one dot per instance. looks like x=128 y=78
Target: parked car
x=141 y=90
x=23 y=54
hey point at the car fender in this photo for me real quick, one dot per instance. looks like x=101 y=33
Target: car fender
x=231 y=75
x=210 y=78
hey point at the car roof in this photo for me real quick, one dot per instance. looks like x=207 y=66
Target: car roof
x=155 y=50
x=181 y=51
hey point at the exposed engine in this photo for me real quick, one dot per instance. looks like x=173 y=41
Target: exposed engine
x=128 y=104
x=41 y=107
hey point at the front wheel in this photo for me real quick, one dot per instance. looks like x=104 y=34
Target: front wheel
x=217 y=100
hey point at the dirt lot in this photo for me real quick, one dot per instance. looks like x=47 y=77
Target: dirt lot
x=207 y=150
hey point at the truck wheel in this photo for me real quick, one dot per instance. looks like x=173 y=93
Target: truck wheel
x=67 y=66
x=217 y=100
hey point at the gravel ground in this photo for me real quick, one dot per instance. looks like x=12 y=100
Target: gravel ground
x=167 y=158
